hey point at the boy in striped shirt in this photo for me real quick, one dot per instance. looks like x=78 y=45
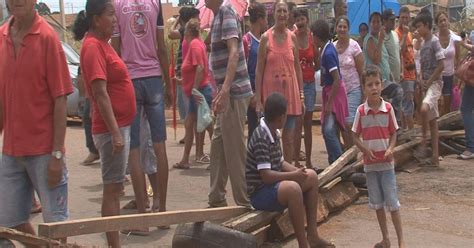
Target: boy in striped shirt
x=375 y=134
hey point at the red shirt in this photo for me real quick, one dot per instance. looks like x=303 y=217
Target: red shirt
x=100 y=61
x=307 y=60
x=29 y=84
x=196 y=55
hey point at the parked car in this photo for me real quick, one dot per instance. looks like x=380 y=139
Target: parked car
x=74 y=101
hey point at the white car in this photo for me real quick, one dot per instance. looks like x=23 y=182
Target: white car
x=73 y=100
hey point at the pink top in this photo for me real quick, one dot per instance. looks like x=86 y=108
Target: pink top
x=137 y=24
x=279 y=74
x=348 y=67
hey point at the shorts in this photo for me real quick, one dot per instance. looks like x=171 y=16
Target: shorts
x=290 y=121
x=266 y=198
x=150 y=97
x=113 y=165
x=18 y=177
x=354 y=99
x=431 y=98
x=147 y=152
x=408 y=106
x=191 y=106
x=447 y=85
x=309 y=91
x=382 y=187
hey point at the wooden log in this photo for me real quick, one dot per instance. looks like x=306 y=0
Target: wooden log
x=450 y=121
x=328 y=173
x=341 y=196
x=27 y=239
x=135 y=221
x=449 y=148
x=251 y=221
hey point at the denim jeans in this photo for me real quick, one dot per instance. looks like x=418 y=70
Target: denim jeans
x=467 y=111
x=331 y=139
x=87 y=122
x=180 y=102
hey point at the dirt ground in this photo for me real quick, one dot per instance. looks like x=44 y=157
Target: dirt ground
x=437 y=204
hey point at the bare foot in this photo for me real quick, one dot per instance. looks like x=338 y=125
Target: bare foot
x=320 y=243
x=383 y=244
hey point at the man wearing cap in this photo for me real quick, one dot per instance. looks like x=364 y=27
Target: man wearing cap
x=392 y=43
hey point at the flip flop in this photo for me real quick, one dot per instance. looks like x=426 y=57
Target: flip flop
x=166 y=227
x=204 y=159
x=181 y=166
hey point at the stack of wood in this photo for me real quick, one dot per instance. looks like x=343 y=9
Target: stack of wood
x=336 y=192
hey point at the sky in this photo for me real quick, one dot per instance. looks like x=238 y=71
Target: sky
x=74 y=6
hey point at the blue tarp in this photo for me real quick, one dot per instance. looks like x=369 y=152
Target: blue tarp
x=360 y=10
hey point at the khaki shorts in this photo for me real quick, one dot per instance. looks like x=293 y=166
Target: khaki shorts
x=431 y=98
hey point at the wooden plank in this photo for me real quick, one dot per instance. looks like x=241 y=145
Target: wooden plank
x=331 y=184
x=262 y=234
x=450 y=121
x=27 y=238
x=135 y=221
x=251 y=221
x=328 y=173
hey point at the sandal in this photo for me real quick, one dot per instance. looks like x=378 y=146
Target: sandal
x=132 y=204
x=204 y=159
x=181 y=166
x=166 y=227
x=324 y=244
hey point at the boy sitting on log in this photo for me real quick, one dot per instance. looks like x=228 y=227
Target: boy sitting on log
x=375 y=134
x=273 y=184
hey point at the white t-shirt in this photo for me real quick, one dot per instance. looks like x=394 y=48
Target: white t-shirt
x=450 y=54
x=3 y=10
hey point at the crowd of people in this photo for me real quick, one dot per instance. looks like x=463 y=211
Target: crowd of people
x=390 y=76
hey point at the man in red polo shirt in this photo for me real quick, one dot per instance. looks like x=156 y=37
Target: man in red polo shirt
x=34 y=83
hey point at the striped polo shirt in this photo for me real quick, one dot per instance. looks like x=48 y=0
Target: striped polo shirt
x=375 y=128
x=226 y=26
x=263 y=153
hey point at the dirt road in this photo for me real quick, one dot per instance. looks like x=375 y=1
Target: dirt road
x=438 y=204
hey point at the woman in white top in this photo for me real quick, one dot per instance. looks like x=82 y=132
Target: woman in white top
x=351 y=63
x=447 y=39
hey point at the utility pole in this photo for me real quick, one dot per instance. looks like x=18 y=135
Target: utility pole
x=63 y=19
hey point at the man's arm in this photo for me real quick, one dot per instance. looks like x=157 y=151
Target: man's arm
x=163 y=58
x=270 y=176
x=232 y=46
x=55 y=166
x=222 y=97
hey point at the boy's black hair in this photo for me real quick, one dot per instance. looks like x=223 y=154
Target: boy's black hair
x=371 y=71
x=320 y=29
x=275 y=106
x=425 y=18
x=300 y=12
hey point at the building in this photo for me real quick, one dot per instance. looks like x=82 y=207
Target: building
x=454 y=8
